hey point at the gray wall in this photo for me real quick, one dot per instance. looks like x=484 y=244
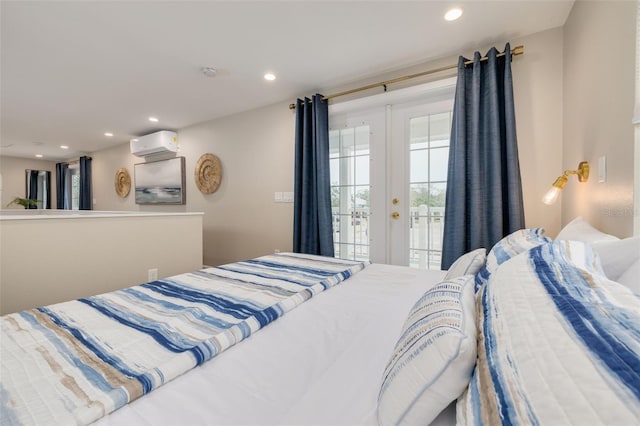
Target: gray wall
x=598 y=89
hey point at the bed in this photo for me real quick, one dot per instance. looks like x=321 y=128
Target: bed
x=359 y=343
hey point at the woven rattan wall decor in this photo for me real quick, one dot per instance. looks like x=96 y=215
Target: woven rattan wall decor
x=123 y=182
x=208 y=173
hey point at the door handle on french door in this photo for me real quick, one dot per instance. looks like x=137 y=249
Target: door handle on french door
x=395 y=215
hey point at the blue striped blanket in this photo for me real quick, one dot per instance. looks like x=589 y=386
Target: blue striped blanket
x=559 y=344
x=74 y=362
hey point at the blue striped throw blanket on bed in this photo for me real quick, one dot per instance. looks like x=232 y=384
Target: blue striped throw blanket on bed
x=74 y=362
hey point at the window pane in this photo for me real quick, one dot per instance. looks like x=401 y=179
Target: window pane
x=419 y=132
x=347 y=142
x=436 y=228
x=438 y=164
x=362 y=140
x=362 y=252
x=346 y=170
x=362 y=197
x=419 y=166
x=437 y=193
x=419 y=194
x=334 y=170
x=439 y=129
x=335 y=200
x=334 y=143
x=362 y=170
x=346 y=199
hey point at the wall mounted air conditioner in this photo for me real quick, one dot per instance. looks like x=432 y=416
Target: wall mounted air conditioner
x=154 y=143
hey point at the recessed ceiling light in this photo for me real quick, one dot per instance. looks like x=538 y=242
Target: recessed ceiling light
x=453 y=14
x=135 y=140
x=39 y=155
x=269 y=76
x=64 y=147
x=155 y=120
x=108 y=134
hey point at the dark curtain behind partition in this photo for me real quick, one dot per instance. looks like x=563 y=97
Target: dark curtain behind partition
x=312 y=226
x=86 y=195
x=61 y=179
x=484 y=190
x=47 y=188
x=33 y=188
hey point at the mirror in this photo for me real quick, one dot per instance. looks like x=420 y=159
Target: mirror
x=38 y=187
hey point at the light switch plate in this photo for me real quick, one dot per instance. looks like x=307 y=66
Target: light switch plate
x=602 y=169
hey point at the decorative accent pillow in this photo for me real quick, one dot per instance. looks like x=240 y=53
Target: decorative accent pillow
x=581 y=230
x=434 y=358
x=468 y=264
x=508 y=247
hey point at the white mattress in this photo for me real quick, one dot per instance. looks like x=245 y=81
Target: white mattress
x=320 y=364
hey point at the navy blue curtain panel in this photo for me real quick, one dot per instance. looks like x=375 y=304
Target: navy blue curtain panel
x=48 y=191
x=484 y=190
x=312 y=226
x=33 y=188
x=85 y=202
x=61 y=178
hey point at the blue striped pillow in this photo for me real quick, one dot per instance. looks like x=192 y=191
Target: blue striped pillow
x=508 y=247
x=433 y=360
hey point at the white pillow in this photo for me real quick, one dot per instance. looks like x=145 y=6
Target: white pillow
x=617 y=256
x=631 y=277
x=580 y=230
x=434 y=358
x=467 y=264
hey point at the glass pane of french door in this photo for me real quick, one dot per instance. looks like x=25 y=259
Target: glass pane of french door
x=428 y=141
x=349 y=161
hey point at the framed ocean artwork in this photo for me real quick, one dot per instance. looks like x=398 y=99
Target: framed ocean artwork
x=160 y=182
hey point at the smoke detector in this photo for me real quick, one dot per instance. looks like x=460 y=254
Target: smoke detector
x=209 y=71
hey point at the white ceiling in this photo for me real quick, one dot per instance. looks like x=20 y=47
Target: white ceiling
x=71 y=70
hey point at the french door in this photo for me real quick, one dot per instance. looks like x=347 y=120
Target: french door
x=389 y=157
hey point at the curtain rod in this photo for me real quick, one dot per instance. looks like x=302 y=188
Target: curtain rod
x=74 y=161
x=518 y=50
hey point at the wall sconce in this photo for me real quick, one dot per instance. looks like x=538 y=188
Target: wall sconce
x=583 y=175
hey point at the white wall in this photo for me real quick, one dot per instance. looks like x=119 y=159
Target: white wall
x=599 y=58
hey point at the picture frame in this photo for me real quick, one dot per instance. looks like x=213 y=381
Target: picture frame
x=160 y=182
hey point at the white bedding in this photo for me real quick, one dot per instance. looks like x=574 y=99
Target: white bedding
x=331 y=376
